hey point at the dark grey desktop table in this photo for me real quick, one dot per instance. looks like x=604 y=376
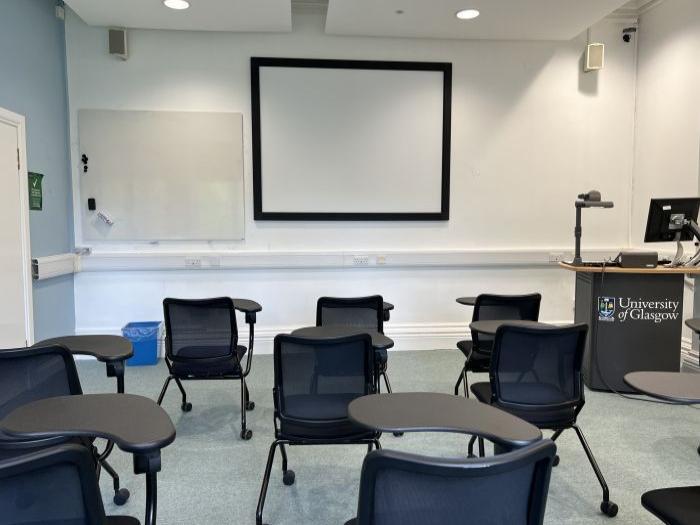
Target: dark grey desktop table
x=135 y=423
x=379 y=341
x=467 y=301
x=675 y=387
x=433 y=412
x=693 y=324
x=490 y=327
x=112 y=350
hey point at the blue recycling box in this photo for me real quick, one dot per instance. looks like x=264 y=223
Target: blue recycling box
x=144 y=339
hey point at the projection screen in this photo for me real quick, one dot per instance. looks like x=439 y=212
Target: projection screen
x=350 y=140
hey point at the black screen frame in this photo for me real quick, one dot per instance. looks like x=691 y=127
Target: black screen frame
x=261 y=215
x=657 y=221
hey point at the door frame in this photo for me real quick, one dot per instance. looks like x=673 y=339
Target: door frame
x=18 y=122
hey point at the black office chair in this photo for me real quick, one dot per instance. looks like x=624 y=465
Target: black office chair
x=31 y=374
x=477 y=352
x=315 y=380
x=53 y=486
x=535 y=374
x=357 y=312
x=201 y=342
x=397 y=488
x=674 y=506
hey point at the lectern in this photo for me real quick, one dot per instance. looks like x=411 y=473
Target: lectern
x=635 y=317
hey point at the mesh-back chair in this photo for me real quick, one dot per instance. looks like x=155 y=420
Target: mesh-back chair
x=477 y=352
x=357 y=312
x=397 y=488
x=315 y=380
x=536 y=375
x=31 y=374
x=53 y=486
x=201 y=342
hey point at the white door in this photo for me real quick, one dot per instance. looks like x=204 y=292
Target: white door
x=15 y=278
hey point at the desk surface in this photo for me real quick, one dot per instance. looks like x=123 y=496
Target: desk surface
x=616 y=269
x=246 y=305
x=433 y=412
x=467 y=301
x=135 y=423
x=678 y=387
x=379 y=340
x=490 y=327
x=693 y=324
x=105 y=348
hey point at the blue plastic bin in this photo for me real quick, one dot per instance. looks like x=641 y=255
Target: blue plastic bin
x=144 y=338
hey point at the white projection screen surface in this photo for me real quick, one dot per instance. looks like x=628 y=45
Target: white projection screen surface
x=350 y=140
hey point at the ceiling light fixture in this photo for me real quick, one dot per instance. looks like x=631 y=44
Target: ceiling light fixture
x=176 y=4
x=467 y=14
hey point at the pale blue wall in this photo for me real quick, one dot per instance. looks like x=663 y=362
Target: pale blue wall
x=33 y=84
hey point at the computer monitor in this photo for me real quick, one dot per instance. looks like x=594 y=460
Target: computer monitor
x=672 y=219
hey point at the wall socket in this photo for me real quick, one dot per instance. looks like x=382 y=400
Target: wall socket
x=360 y=260
x=556 y=257
x=193 y=262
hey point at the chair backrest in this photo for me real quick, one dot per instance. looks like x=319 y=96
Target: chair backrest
x=397 y=488
x=316 y=379
x=30 y=374
x=200 y=328
x=538 y=368
x=357 y=312
x=55 y=485
x=496 y=307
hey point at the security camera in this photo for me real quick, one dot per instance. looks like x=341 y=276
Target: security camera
x=627 y=33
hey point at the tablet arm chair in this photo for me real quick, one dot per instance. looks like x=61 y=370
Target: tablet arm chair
x=201 y=343
x=53 y=486
x=30 y=374
x=367 y=313
x=674 y=506
x=536 y=375
x=477 y=351
x=397 y=488
x=314 y=382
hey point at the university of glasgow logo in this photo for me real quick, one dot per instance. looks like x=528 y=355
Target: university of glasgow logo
x=606 y=308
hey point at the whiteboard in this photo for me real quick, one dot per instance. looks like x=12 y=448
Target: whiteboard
x=350 y=140
x=161 y=175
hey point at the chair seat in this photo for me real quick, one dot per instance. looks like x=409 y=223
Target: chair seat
x=674 y=506
x=477 y=360
x=206 y=368
x=326 y=423
x=532 y=392
x=122 y=520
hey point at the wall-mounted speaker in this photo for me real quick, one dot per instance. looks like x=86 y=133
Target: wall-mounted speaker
x=117 y=43
x=595 y=57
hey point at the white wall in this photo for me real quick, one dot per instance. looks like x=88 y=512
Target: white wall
x=530 y=131
x=667 y=149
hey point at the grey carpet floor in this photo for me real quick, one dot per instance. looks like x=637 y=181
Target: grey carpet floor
x=210 y=476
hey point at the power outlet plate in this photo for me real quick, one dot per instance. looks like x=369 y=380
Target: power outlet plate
x=360 y=260
x=556 y=257
x=193 y=262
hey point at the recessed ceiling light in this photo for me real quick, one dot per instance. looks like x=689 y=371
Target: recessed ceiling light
x=467 y=14
x=176 y=4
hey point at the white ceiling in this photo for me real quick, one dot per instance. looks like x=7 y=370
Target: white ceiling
x=499 y=20
x=203 y=15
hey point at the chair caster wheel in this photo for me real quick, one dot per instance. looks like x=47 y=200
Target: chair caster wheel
x=555 y=462
x=246 y=434
x=250 y=405
x=398 y=434
x=698 y=449
x=609 y=509
x=186 y=407
x=288 y=477
x=121 y=496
